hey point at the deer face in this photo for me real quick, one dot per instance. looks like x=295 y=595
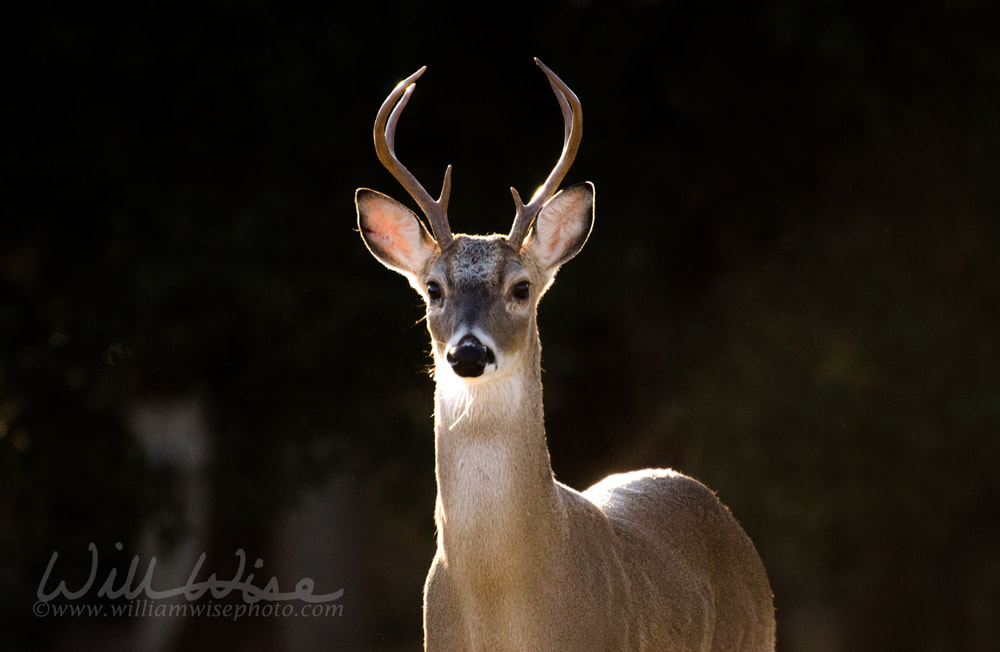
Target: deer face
x=479 y=305
x=481 y=292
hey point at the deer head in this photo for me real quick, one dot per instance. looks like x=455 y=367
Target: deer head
x=481 y=292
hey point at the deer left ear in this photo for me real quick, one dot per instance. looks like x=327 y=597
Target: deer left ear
x=394 y=235
x=562 y=226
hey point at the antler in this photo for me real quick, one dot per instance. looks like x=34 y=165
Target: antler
x=436 y=210
x=573 y=119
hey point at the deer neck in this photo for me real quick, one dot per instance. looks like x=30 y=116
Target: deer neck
x=497 y=499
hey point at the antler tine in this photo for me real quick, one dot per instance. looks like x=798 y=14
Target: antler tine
x=436 y=210
x=573 y=132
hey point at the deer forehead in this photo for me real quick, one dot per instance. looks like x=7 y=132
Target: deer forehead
x=479 y=260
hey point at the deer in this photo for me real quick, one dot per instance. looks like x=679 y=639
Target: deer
x=644 y=560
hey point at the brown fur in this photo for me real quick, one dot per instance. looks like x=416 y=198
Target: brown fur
x=649 y=560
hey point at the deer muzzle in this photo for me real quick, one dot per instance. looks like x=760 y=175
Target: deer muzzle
x=469 y=357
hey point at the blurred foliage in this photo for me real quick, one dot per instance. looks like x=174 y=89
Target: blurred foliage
x=790 y=291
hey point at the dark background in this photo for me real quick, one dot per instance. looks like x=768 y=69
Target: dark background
x=791 y=292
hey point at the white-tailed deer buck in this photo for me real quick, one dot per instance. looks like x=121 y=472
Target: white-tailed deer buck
x=649 y=560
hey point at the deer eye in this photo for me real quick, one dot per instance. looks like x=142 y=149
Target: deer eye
x=521 y=290
x=434 y=290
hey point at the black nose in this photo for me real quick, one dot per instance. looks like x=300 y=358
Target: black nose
x=470 y=357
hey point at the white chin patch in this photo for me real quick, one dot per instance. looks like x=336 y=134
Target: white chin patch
x=469 y=400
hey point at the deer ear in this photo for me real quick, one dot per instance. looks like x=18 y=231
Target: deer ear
x=394 y=235
x=562 y=226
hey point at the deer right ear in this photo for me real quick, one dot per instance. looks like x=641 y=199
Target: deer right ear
x=393 y=233
x=562 y=226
